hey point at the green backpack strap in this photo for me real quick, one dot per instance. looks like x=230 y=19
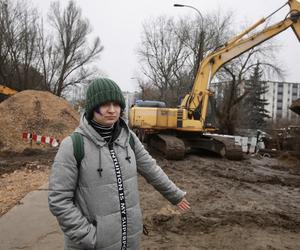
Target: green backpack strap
x=78 y=147
x=131 y=141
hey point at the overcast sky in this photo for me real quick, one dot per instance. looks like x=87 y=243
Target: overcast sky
x=118 y=23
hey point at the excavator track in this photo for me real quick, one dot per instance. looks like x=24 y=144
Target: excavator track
x=233 y=151
x=218 y=144
x=172 y=147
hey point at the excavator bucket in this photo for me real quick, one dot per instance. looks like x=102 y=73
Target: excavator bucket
x=296 y=29
x=296 y=106
x=7 y=91
x=295 y=16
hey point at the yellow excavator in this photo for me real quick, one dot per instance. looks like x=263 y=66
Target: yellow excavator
x=7 y=91
x=174 y=131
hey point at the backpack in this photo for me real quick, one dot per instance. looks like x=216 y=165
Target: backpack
x=78 y=146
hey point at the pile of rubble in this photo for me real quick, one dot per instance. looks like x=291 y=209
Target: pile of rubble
x=38 y=112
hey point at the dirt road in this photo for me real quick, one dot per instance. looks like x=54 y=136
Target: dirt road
x=235 y=205
x=252 y=204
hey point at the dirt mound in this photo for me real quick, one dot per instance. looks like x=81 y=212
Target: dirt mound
x=36 y=112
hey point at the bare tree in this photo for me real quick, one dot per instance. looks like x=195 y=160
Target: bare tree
x=170 y=51
x=234 y=74
x=203 y=35
x=18 y=53
x=147 y=91
x=162 y=54
x=66 y=54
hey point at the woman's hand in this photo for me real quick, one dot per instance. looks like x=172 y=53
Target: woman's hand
x=183 y=205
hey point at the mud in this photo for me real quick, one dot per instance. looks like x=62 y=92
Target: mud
x=251 y=204
x=29 y=159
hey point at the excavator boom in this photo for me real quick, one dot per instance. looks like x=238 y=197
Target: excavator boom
x=232 y=49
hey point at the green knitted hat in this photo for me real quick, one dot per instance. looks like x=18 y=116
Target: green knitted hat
x=103 y=90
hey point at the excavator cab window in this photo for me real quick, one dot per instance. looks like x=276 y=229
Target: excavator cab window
x=210 y=121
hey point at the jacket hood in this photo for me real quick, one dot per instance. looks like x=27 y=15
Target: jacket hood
x=88 y=131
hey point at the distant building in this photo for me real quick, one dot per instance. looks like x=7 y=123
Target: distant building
x=280 y=96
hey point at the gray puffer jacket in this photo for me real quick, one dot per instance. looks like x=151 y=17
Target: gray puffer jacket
x=88 y=208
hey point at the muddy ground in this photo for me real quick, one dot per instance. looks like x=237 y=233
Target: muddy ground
x=252 y=204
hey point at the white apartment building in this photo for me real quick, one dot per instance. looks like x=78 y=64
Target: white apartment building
x=280 y=96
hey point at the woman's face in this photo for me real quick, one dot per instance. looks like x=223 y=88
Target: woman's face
x=108 y=113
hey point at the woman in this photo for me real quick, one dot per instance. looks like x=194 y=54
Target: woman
x=97 y=202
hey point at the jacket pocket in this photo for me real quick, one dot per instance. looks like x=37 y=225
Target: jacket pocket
x=135 y=220
x=108 y=230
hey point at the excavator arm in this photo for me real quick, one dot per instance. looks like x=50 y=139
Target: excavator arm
x=7 y=91
x=198 y=98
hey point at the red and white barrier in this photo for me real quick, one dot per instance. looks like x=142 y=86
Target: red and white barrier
x=41 y=139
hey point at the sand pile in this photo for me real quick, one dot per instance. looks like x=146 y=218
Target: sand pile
x=36 y=112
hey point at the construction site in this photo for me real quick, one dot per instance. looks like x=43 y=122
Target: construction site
x=253 y=203
x=243 y=188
